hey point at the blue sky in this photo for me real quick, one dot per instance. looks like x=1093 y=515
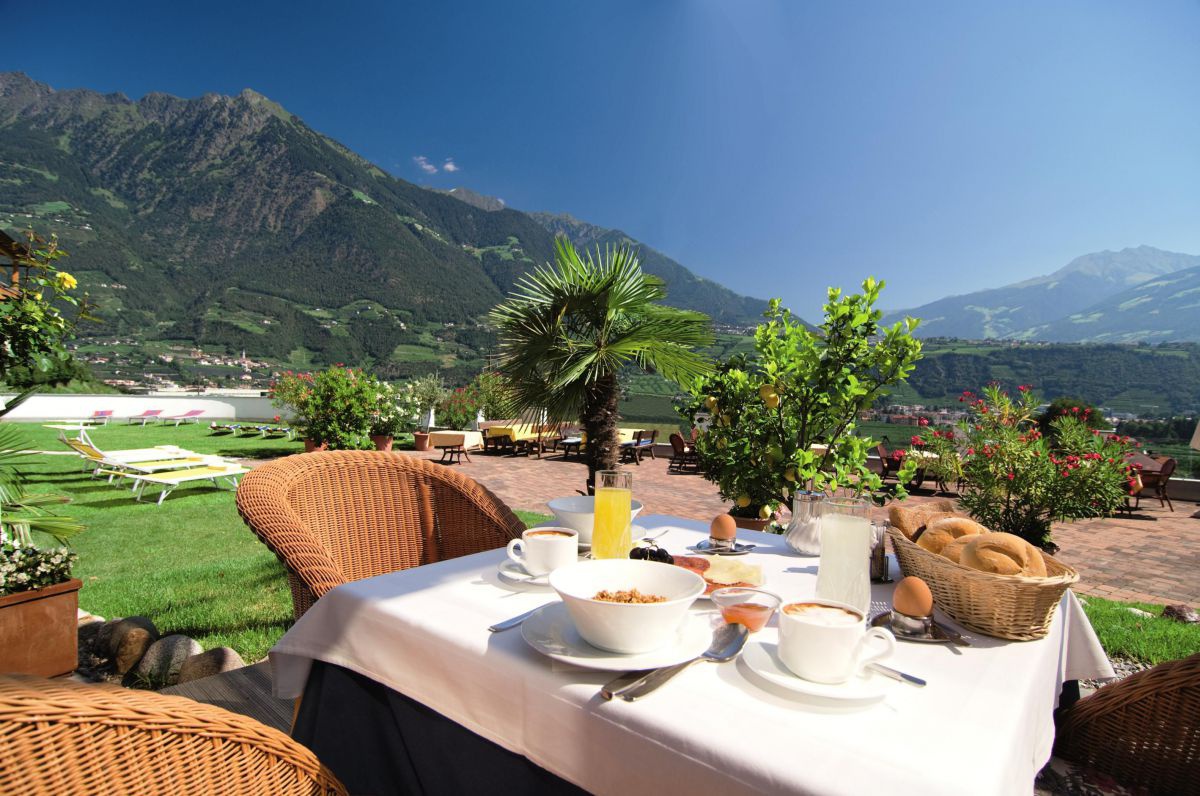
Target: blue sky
x=777 y=147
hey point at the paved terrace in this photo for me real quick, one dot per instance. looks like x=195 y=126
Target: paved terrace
x=1152 y=555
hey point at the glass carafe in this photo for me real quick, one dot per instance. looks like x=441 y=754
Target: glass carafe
x=844 y=572
x=611 y=532
x=804 y=531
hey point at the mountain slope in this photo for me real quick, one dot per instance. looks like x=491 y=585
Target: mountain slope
x=1013 y=311
x=686 y=289
x=1164 y=308
x=226 y=221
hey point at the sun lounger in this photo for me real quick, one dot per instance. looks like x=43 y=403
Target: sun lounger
x=190 y=416
x=145 y=417
x=169 y=481
x=96 y=459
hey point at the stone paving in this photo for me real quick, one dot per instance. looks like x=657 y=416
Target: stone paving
x=1151 y=555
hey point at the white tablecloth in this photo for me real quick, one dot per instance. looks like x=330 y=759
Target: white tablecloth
x=469 y=440
x=983 y=725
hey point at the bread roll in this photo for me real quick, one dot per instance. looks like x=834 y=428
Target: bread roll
x=941 y=532
x=1003 y=554
x=910 y=519
x=953 y=549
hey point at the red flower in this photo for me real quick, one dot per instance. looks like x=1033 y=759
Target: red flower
x=1065 y=473
x=1025 y=387
x=922 y=421
x=917 y=441
x=897 y=455
x=1012 y=476
x=970 y=451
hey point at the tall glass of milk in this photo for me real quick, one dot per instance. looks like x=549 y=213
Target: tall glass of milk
x=844 y=573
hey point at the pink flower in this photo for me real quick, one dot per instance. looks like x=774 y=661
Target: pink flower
x=1024 y=388
x=923 y=421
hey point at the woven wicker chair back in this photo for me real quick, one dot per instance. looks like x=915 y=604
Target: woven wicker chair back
x=58 y=736
x=338 y=516
x=1144 y=731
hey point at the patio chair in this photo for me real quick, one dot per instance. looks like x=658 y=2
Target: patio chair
x=643 y=445
x=1158 y=480
x=101 y=417
x=67 y=737
x=886 y=462
x=145 y=417
x=681 y=455
x=336 y=516
x=1143 y=731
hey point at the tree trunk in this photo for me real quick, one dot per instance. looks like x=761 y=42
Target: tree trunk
x=599 y=420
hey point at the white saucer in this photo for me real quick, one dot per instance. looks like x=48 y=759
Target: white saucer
x=636 y=532
x=551 y=632
x=762 y=658
x=513 y=572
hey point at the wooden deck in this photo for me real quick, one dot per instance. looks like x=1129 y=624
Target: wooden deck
x=246 y=691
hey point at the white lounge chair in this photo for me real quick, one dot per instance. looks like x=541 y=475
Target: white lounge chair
x=169 y=481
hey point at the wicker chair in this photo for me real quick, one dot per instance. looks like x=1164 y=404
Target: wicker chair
x=58 y=736
x=1143 y=731
x=336 y=516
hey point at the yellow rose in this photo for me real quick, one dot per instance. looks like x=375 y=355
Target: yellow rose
x=65 y=281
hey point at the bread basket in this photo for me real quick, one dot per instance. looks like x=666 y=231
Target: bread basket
x=1004 y=606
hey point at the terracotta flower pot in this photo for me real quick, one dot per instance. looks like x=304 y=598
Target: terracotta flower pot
x=313 y=445
x=383 y=442
x=421 y=440
x=39 y=631
x=751 y=523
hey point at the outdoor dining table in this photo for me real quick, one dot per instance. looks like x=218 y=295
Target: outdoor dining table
x=406 y=690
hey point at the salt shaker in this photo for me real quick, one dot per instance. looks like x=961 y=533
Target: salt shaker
x=879 y=562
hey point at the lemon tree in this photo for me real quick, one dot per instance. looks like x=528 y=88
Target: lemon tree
x=783 y=418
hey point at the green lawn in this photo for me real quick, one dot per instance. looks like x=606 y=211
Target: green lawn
x=190 y=564
x=1151 y=639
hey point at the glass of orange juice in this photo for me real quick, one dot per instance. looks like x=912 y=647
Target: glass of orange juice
x=611 y=534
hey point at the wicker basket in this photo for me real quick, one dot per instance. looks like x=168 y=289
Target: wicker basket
x=1004 y=606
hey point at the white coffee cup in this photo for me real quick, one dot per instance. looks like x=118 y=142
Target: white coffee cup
x=542 y=550
x=827 y=642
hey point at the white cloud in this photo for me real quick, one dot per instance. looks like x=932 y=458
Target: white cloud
x=424 y=165
x=450 y=165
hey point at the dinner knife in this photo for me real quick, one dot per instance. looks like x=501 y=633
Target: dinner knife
x=896 y=674
x=516 y=620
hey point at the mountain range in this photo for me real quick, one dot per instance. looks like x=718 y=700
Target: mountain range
x=225 y=221
x=1133 y=295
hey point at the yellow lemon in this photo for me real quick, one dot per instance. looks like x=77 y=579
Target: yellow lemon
x=790 y=474
x=772 y=401
x=764 y=512
x=726 y=419
x=743 y=501
x=711 y=403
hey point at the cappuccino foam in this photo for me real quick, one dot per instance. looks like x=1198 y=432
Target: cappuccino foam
x=818 y=614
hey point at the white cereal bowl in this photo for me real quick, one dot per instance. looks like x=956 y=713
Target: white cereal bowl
x=578 y=511
x=626 y=628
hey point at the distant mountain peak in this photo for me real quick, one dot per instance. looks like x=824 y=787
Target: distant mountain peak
x=1055 y=307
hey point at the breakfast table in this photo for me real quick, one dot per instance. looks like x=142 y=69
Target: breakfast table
x=404 y=688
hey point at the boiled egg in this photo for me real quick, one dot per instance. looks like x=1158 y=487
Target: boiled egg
x=913 y=597
x=723 y=527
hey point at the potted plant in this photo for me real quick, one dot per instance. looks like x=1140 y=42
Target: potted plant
x=395 y=412
x=39 y=601
x=783 y=420
x=334 y=407
x=428 y=391
x=1019 y=480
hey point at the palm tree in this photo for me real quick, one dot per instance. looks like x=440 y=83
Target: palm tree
x=568 y=329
